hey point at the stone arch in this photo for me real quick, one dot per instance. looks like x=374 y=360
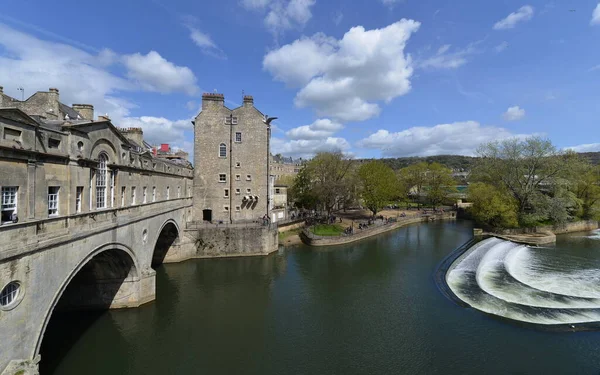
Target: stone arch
x=117 y=254
x=168 y=235
x=104 y=145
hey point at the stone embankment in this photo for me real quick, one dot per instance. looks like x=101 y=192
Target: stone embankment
x=313 y=240
x=542 y=235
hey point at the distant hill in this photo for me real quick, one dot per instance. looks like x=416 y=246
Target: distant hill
x=454 y=162
x=457 y=162
x=593 y=157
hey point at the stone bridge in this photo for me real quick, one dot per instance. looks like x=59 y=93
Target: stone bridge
x=93 y=260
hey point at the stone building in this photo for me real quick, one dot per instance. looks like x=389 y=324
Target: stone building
x=56 y=161
x=283 y=168
x=231 y=160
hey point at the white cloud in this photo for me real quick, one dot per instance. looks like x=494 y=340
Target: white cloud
x=590 y=147
x=446 y=59
x=596 y=16
x=344 y=79
x=337 y=19
x=159 y=130
x=205 y=43
x=597 y=67
x=514 y=113
x=459 y=138
x=307 y=148
x=282 y=15
x=525 y=13
x=319 y=129
x=391 y=3
x=255 y=4
x=501 y=47
x=155 y=73
x=82 y=77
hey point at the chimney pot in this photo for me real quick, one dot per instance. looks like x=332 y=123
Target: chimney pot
x=53 y=89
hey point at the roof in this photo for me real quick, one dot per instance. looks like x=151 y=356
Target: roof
x=16 y=114
x=73 y=114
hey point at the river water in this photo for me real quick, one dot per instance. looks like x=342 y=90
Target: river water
x=365 y=308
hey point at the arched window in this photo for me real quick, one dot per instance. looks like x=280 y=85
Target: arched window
x=222 y=150
x=101 y=177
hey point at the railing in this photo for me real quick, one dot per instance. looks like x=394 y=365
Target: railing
x=373 y=225
x=222 y=225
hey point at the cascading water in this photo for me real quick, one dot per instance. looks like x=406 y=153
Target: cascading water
x=535 y=285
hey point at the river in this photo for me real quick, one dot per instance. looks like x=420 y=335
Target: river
x=366 y=308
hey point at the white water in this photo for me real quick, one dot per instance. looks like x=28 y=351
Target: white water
x=572 y=276
x=595 y=235
x=513 y=281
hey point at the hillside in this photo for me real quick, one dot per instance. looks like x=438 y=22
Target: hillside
x=458 y=162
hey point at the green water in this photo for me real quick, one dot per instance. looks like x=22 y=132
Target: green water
x=367 y=308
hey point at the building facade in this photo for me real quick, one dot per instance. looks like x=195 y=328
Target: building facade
x=231 y=161
x=59 y=162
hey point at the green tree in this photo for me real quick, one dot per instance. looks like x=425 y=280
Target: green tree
x=378 y=185
x=492 y=206
x=585 y=183
x=527 y=169
x=440 y=183
x=414 y=177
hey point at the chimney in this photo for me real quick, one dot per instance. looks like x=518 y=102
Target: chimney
x=53 y=100
x=133 y=134
x=212 y=100
x=248 y=101
x=1 y=89
x=85 y=110
x=104 y=118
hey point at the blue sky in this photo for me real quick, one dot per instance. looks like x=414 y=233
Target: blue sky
x=369 y=77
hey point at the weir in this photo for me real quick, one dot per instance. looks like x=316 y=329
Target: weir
x=546 y=286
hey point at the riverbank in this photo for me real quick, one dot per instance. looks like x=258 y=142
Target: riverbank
x=542 y=235
x=310 y=239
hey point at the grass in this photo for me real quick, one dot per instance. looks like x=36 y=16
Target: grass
x=327 y=230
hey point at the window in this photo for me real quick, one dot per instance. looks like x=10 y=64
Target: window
x=249 y=191
x=277 y=191
x=248 y=177
x=168 y=195
x=12 y=134
x=237 y=208
x=226 y=193
x=234 y=120
x=53 y=200
x=79 y=146
x=53 y=143
x=238 y=164
x=9 y=294
x=101 y=181
x=132 y=195
x=178 y=191
x=153 y=193
x=225 y=208
x=231 y=120
x=238 y=191
x=238 y=177
x=78 y=198
x=144 y=194
x=222 y=177
x=238 y=137
x=9 y=203
x=123 y=196
x=222 y=150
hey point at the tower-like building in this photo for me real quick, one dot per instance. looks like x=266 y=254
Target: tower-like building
x=231 y=162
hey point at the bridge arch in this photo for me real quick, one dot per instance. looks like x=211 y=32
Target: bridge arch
x=168 y=235
x=113 y=264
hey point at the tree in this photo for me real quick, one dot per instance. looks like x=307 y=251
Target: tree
x=492 y=206
x=585 y=182
x=378 y=185
x=415 y=178
x=324 y=180
x=440 y=183
x=301 y=192
x=526 y=169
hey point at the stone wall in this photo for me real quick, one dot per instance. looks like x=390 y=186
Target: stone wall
x=578 y=226
x=212 y=242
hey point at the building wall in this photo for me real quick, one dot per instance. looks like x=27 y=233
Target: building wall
x=251 y=153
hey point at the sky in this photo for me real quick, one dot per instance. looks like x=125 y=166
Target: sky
x=371 y=78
